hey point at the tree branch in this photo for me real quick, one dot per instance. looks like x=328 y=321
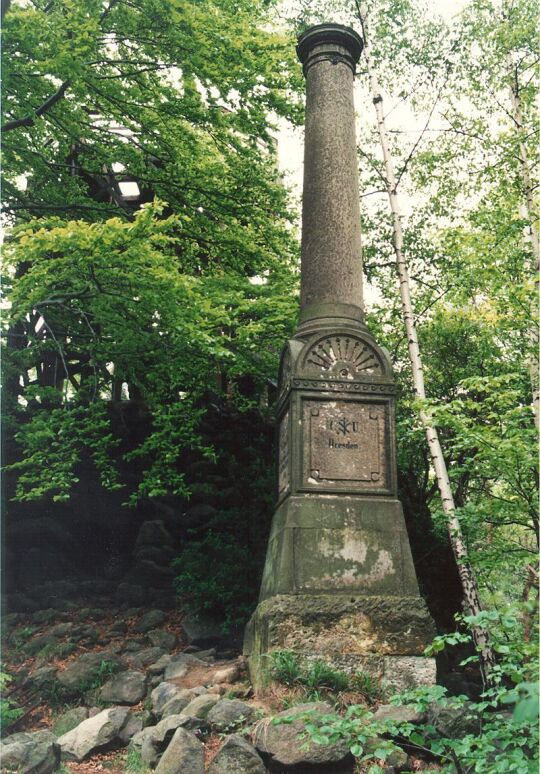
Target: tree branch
x=41 y=110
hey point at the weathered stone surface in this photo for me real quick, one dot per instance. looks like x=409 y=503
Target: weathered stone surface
x=184 y=755
x=200 y=706
x=150 y=620
x=397 y=759
x=78 y=676
x=69 y=720
x=353 y=632
x=237 y=755
x=93 y=734
x=158 y=667
x=404 y=672
x=165 y=692
x=142 y=658
x=153 y=533
x=339 y=580
x=153 y=740
x=179 y=665
x=44 y=676
x=132 y=726
x=229 y=713
x=399 y=714
x=227 y=675
x=162 y=639
x=30 y=753
x=204 y=631
x=125 y=688
x=281 y=745
x=454 y=722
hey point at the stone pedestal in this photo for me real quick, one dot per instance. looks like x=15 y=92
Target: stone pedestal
x=339 y=582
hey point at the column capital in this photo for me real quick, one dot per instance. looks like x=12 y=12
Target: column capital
x=333 y=42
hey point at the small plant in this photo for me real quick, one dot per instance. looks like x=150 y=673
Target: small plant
x=315 y=678
x=285 y=667
x=368 y=686
x=105 y=670
x=321 y=675
x=20 y=636
x=9 y=711
x=134 y=762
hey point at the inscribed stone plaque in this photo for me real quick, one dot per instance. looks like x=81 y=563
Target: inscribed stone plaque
x=344 y=444
x=283 y=467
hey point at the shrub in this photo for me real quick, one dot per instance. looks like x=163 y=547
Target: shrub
x=9 y=711
x=218 y=575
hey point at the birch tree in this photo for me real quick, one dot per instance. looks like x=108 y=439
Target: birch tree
x=469 y=583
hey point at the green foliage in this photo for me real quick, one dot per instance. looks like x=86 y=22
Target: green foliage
x=146 y=306
x=9 y=711
x=215 y=575
x=285 y=667
x=134 y=762
x=316 y=677
x=105 y=670
x=503 y=743
x=62 y=725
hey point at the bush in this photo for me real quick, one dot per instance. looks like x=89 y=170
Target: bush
x=9 y=711
x=218 y=575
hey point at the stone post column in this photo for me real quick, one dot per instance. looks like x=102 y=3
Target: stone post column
x=331 y=277
x=339 y=582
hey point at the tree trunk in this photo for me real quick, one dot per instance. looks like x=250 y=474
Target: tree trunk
x=529 y=212
x=468 y=580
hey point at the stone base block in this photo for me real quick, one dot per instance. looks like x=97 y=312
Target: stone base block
x=381 y=635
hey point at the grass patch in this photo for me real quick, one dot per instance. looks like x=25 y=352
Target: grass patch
x=319 y=681
x=134 y=762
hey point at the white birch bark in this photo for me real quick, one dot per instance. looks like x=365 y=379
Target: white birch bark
x=530 y=213
x=468 y=580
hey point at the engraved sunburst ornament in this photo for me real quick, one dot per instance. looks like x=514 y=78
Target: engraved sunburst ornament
x=345 y=356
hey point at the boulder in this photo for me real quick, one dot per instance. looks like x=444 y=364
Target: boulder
x=152 y=741
x=162 y=639
x=228 y=674
x=41 y=678
x=237 y=755
x=229 y=713
x=153 y=533
x=399 y=714
x=69 y=720
x=282 y=745
x=200 y=706
x=142 y=658
x=93 y=734
x=184 y=755
x=179 y=665
x=133 y=725
x=396 y=760
x=150 y=620
x=166 y=692
x=203 y=631
x=118 y=628
x=158 y=554
x=124 y=688
x=34 y=752
x=158 y=667
x=454 y=722
x=150 y=573
x=79 y=675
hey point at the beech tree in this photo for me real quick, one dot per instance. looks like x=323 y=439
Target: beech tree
x=106 y=106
